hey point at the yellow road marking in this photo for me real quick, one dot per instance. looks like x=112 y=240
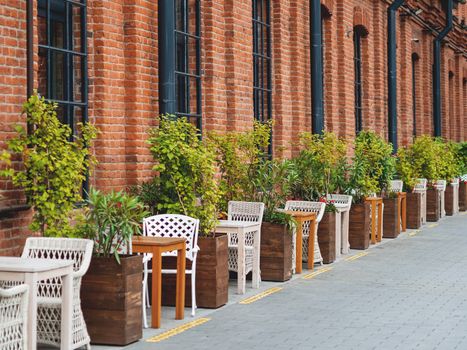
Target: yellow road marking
x=432 y=225
x=316 y=273
x=414 y=233
x=356 y=256
x=260 y=295
x=177 y=330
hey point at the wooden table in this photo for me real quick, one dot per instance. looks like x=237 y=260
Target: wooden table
x=156 y=246
x=376 y=204
x=240 y=228
x=402 y=217
x=31 y=272
x=301 y=217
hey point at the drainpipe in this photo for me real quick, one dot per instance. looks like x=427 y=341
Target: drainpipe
x=167 y=99
x=437 y=70
x=392 y=74
x=316 y=68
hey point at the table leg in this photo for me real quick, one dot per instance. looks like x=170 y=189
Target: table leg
x=256 y=274
x=380 y=222
x=299 y=246
x=404 y=214
x=67 y=312
x=241 y=278
x=311 y=245
x=156 y=288
x=180 y=288
x=373 y=222
x=338 y=244
x=31 y=280
x=345 y=233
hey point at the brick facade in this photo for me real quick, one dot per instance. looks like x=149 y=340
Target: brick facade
x=123 y=78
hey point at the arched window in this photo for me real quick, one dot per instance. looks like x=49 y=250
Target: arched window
x=358 y=34
x=262 y=82
x=414 y=92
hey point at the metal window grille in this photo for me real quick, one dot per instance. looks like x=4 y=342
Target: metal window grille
x=358 y=34
x=62 y=73
x=262 y=82
x=188 y=60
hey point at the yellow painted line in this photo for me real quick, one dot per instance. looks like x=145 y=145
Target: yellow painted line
x=414 y=233
x=177 y=330
x=432 y=225
x=260 y=295
x=357 y=256
x=316 y=273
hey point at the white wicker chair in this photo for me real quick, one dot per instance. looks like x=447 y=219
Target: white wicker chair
x=13 y=317
x=441 y=185
x=172 y=225
x=313 y=207
x=49 y=291
x=396 y=186
x=420 y=187
x=343 y=201
x=250 y=212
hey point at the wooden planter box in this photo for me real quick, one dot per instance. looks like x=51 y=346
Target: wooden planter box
x=212 y=275
x=414 y=210
x=449 y=196
x=463 y=196
x=111 y=300
x=391 y=221
x=327 y=237
x=359 y=226
x=276 y=252
x=433 y=204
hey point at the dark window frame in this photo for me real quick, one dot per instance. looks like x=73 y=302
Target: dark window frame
x=414 y=93
x=183 y=37
x=358 y=35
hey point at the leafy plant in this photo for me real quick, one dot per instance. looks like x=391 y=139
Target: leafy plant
x=448 y=159
x=405 y=168
x=186 y=168
x=111 y=220
x=55 y=165
x=148 y=193
x=321 y=166
x=426 y=158
x=462 y=156
x=238 y=156
x=373 y=166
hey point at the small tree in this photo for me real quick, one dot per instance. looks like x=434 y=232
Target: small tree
x=55 y=165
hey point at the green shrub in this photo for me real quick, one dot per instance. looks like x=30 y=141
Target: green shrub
x=55 y=165
x=187 y=170
x=373 y=166
x=425 y=155
x=462 y=156
x=405 y=168
x=449 y=162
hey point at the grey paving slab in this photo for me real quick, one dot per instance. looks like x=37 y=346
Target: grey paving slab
x=407 y=293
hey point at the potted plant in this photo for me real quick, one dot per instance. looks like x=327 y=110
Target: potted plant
x=112 y=288
x=320 y=168
x=186 y=184
x=409 y=175
x=367 y=176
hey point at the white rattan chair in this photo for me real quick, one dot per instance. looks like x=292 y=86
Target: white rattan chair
x=313 y=207
x=49 y=291
x=13 y=317
x=396 y=186
x=441 y=185
x=342 y=202
x=250 y=212
x=420 y=187
x=172 y=225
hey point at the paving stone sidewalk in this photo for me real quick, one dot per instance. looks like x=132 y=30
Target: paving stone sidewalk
x=408 y=293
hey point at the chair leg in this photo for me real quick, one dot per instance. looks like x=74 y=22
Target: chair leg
x=145 y=296
x=193 y=292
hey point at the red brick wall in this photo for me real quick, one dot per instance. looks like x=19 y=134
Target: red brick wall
x=123 y=79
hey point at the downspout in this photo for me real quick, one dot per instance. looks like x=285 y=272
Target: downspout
x=392 y=74
x=437 y=70
x=316 y=68
x=167 y=98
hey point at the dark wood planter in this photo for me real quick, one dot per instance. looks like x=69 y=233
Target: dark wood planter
x=432 y=204
x=359 y=226
x=463 y=196
x=414 y=210
x=111 y=300
x=391 y=221
x=327 y=237
x=449 y=200
x=212 y=275
x=276 y=252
